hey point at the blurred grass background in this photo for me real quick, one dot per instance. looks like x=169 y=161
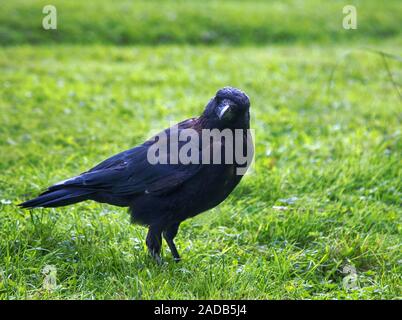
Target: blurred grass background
x=236 y=22
x=324 y=195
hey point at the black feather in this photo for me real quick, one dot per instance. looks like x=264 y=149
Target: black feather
x=56 y=198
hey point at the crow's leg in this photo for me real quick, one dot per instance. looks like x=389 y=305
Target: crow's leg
x=169 y=234
x=154 y=243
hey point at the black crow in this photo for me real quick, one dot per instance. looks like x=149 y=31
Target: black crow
x=160 y=195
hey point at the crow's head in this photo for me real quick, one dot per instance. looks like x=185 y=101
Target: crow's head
x=228 y=109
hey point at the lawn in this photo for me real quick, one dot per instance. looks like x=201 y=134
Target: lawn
x=318 y=216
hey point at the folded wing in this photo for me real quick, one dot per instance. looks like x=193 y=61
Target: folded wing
x=130 y=172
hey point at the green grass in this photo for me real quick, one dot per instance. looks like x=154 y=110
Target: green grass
x=197 y=22
x=327 y=120
x=337 y=149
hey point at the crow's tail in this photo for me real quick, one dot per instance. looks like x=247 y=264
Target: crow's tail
x=57 y=198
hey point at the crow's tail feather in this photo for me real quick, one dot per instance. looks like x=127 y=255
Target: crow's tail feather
x=57 y=198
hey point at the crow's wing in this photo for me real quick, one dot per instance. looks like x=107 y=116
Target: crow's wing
x=130 y=172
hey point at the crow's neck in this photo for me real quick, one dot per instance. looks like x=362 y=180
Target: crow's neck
x=206 y=123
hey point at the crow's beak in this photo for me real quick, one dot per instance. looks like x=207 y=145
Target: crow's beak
x=222 y=110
